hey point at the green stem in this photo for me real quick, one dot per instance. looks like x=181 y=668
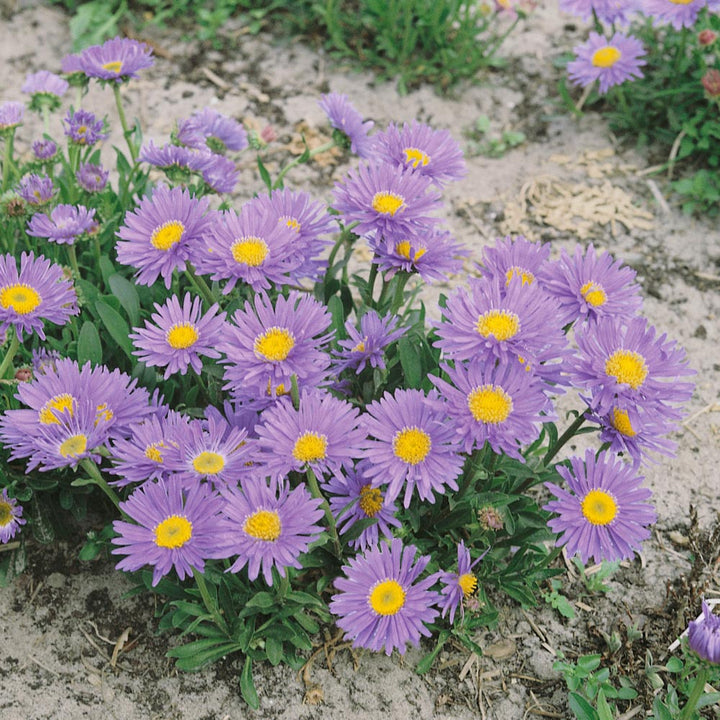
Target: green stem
x=7 y=159
x=553 y=450
x=695 y=694
x=96 y=476
x=72 y=255
x=469 y=474
x=501 y=39
x=46 y=118
x=400 y=282
x=208 y=601
x=10 y=354
x=294 y=391
x=371 y=282
x=299 y=160
x=127 y=132
x=200 y=285
x=315 y=491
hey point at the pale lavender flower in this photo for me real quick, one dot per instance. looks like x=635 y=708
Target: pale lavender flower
x=367 y=344
x=64 y=224
x=45 y=83
x=460 y=585
x=207 y=129
x=83 y=128
x=607 y=11
x=36 y=189
x=117 y=59
x=678 y=13
x=345 y=118
x=44 y=149
x=10 y=517
x=704 y=635
x=92 y=178
x=11 y=115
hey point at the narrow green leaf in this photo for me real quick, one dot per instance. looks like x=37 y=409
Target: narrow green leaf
x=247 y=686
x=410 y=362
x=126 y=293
x=426 y=663
x=581 y=707
x=603 y=709
x=262 y=600
x=116 y=326
x=89 y=347
x=274 y=650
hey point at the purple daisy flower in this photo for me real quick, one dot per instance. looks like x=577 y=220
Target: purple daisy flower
x=612 y=61
x=179 y=335
x=354 y=499
x=251 y=247
x=323 y=435
x=268 y=344
x=40 y=292
x=637 y=430
x=514 y=257
x=36 y=190
x=44 y=149
x=678 y=13
x=71 y=64
x=605 y=516
x=159 y=235
x=220 y=174
x=117 y=59
x=114 y=395
x=208 y=129
x=146 y=454
x=44 y=360
x=607 y=11
x=83 y=128
x=460 y=585
x=11 y=115
x=432 y=253
x=384 y=198
x=704 y=635
x=91 y=177
x=367 y=344
x=590 y=287
x=45 y=83
x=381 y=603
x=510 y=323
x=412 y=441
x=171 y=528
x=270 y=525
x=433 y=153
x=628 y=362
x=309 y=219
x=10 y=517
x=64 y=225
x=501 y=405
x=174 y=159
x=213 y=451
x=345 y=118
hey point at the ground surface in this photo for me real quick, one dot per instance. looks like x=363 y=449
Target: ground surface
x=60 y=620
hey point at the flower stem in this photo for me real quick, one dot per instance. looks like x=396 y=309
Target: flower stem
x=553 y=450
x=398 y=298
x=127 y=132
x=208 y=601
x=96 y=476
x=7 y=159
x=72 y=255
x=300 y=159
x=10 y=354
x=697 y=690
x=315 y=491
x=201 y=286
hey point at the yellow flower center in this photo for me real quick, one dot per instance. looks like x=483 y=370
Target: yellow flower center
x=166 y=235
x=75 y=445
x=59 y=403
x=279 y=389
x=501 y=324
x=606 y=57
x=250 y=251
x=291 y=223
x=593 y=293
x=621 y=422
x=360 y=347
x=599 y=508
x=152 y=451
x=387 y=597
x=310 y=447
x=5 y=513
x=387 y=203
x=114 y=67
x=173 y=532
x=22 y=298
x=681 y=2
x=103 y=413
x=404 y=247
x=209 y=463
x=263 y=525
x=181 y=336
x=627 y=366
x=468 y=583
x=274 y=344
x=525 y=275
x=490 y=404
x=371 y=500
x=415 y=157
x=411 y=445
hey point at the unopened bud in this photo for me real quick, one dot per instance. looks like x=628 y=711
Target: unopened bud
x=711 y=82
x=490 y=518
x=706 y=37
x=24 y=375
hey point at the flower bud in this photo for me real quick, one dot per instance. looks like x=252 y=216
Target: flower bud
x=711 y=82
x=706 y=37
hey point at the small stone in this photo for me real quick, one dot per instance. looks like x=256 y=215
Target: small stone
x=700 y=332
x=56 y=580
x=501 y=650
x=678 y=538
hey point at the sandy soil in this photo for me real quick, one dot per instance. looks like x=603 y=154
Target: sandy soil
x=60 y=620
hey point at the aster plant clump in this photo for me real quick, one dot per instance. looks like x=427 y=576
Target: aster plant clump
x=277 y=432
x=653 y=68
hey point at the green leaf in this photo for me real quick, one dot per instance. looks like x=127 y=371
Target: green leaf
x=660 y=710
x=116 y=326
x=674 y=665
x=603 y=709
x=247 y=686
x=106 y=268
x=126 y=293
x=263 y=600
x=426 y=663
x=581 y=707
x=89 y=347
x=274 y=650
x=410 y=362
x=265 y=176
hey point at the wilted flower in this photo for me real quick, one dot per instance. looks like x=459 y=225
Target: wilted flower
x=92 y=178
x=44 y=149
